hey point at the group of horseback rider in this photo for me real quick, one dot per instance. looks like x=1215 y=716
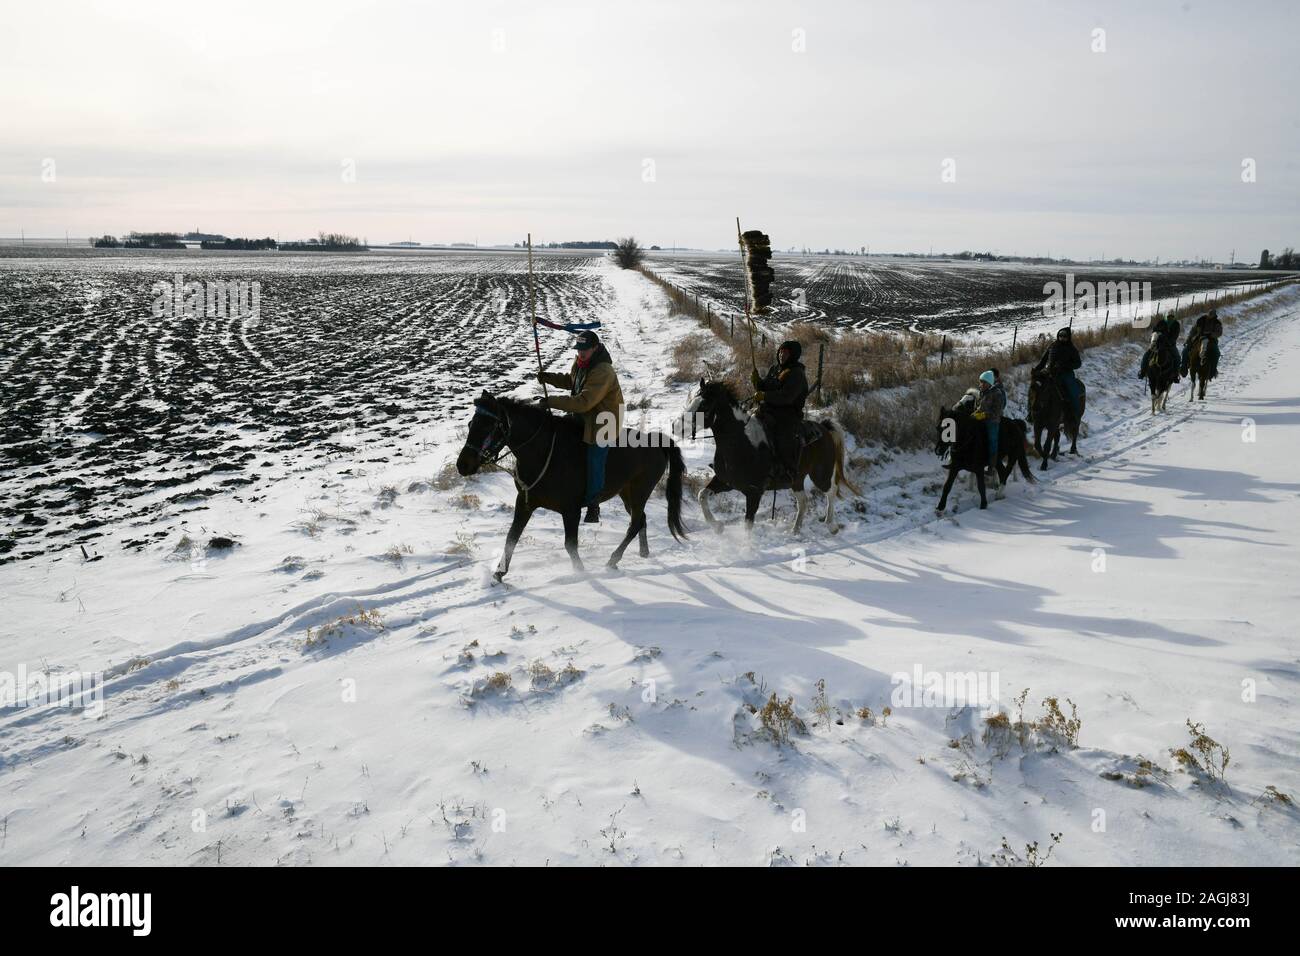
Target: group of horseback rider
x=1164 y=348
x=780 y=393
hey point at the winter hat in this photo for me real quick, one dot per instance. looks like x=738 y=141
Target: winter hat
x=794 y=348
x=987 y=378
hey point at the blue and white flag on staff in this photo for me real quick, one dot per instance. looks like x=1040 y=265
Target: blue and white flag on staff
x=568 y=327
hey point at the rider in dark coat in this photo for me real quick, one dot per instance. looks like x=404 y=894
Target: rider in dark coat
x=1060 y=360
x=1208 y=327
x=781 y=394
x=1165 y=346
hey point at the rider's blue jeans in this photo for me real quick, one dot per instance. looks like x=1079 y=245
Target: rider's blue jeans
x=596 y=455
x=991 y=429
x=1071 y=386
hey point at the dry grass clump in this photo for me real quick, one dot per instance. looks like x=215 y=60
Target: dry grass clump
x=397 y=553
x=1213 y=756
x=1053 y=730
x=463 y=545
x=779 y=719
x=688 y=356
x=370 y=619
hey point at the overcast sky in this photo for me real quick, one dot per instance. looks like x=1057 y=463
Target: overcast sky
x=826 y=124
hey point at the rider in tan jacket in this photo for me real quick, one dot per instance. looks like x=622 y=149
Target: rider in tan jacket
x=595 y=396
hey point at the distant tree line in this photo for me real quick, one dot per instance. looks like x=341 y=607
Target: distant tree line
x=327 y=242
x=592 y=244
x=1286 y=259
x=140 y=240
x=241 y=245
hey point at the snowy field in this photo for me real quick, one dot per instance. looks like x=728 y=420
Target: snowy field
x=346 y=686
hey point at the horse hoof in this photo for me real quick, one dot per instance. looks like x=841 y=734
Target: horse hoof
x=497 y=576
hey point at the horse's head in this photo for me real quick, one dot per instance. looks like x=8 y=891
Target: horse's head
x=945 y=430
x=713 y=399
x=488 y=431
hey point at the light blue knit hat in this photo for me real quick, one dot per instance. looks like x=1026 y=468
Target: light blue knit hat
x=987 y=377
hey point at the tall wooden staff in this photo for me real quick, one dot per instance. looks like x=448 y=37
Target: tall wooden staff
x=532 y=311
x=749 y=319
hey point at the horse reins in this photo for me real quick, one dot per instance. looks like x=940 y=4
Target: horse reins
x=501 y=451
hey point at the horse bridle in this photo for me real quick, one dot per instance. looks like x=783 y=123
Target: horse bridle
x=494 y=446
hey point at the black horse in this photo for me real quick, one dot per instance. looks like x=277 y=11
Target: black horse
x=743 y=458
x=964 y=440
x=550 y=471
x=1162 y=372
x=1047 y=404
x=1202 y=364
x=958 y=436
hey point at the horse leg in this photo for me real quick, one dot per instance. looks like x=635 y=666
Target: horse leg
x=643 y=542
x=830 y=508
x=571 y=537
x=947 y=487
x=707 y=492
x=979 y=478
x=522 y=513
x=999 y=481
x=635 y=527
x=752 y=500
x=1038 y=446
x=801 y=499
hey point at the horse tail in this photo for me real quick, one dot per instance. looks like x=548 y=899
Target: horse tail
x=1022 y=457
x=676 y=467
x=841 y=477
x=1029 y=442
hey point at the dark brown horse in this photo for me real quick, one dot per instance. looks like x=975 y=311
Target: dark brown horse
x=1162 y=373
x=1202 y=365
x=1047 y=404
x=963 y=440
x=743 y=458
x=550 y=471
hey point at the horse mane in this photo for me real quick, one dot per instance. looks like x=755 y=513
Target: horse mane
x=723 y=387
x=536 y=415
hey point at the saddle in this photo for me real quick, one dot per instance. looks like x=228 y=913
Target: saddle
x=1050 y=380
x=807 y=433
x=810 y=432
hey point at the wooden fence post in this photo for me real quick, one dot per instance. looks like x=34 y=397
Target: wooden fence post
x=821 y=355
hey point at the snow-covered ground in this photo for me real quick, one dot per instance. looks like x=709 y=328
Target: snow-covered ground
x=614 y=717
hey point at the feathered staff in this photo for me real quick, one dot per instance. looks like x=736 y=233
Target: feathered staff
x=755 y=254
